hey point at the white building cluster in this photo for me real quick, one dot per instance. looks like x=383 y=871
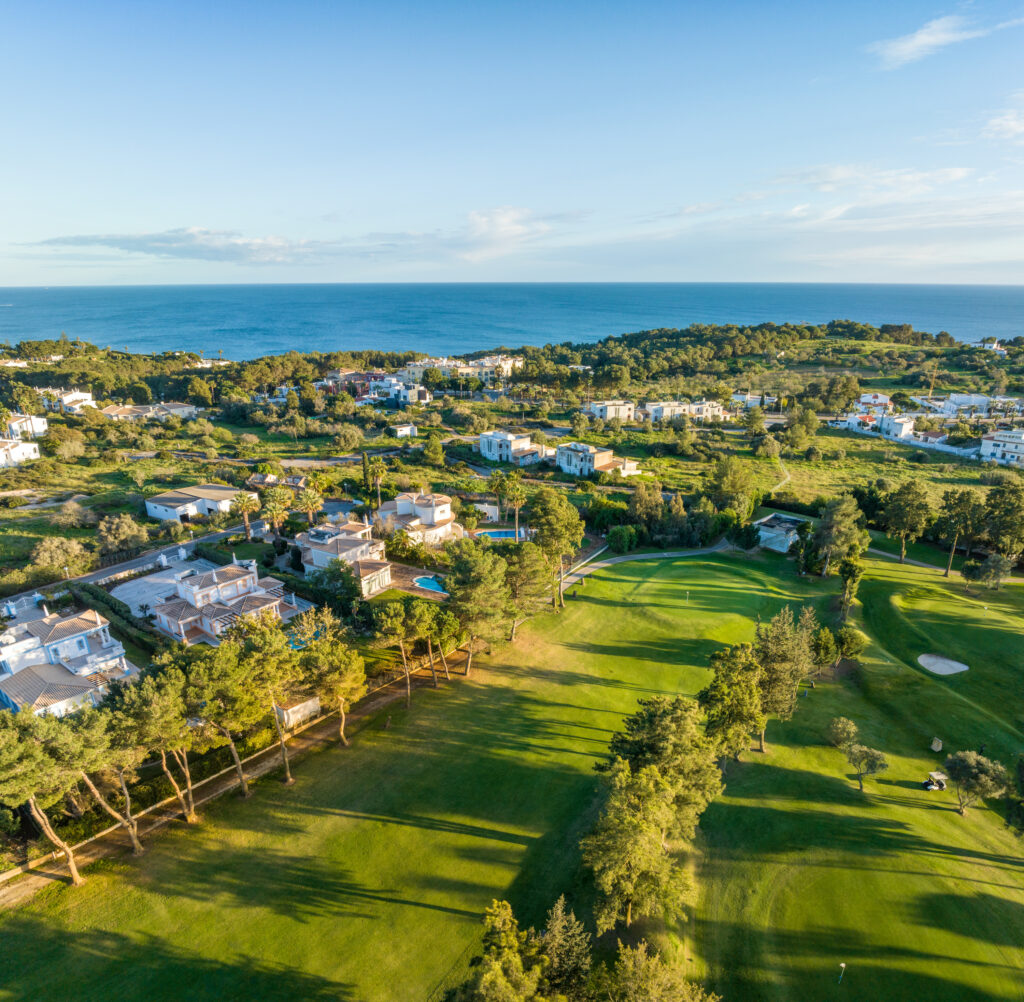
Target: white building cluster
x=486 y=369
x=509 y=447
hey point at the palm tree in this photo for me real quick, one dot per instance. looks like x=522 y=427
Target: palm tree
x=497 y=484
x=515 y=497
x=276 y=506
x=378 y=471
x=310 y=501
x=245 y=504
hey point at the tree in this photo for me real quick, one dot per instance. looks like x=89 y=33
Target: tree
x=277 y=502
x=842 y=733
x=634 y=872
x=621 y=538
x=566 y=944
x=420 y=622
x=729 y=485
x=199 y=392
x=865 y=761
x=994 y=568
x=477 y=593
x=329 y=665
x=310 y=501
x=665 y=733
x=366 y=472
x=646 y=505
x=558 y=531
x=60 y=555
x=907 y=514
x=1004 y=518
x=753 y=421
x=117 y=533
x=245 y=504
x=850 y=573
x=393 y=629
x=272 y=666
x=72 y=515
x=850 y=642
x=839 y=534
x=962 y=516
x=732 y=700
x=642 y=976
x=783 y=650
x=515 y=495
x=975 y=777
x=526 y=576
x=30 y=774
x=446 y=630
x=433 y=451
x=823 y=648
x=377 y=472
x=496 y=484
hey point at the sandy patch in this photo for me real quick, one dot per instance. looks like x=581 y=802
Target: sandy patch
x=941 y=666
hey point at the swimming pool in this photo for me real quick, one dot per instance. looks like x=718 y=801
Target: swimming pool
x=500 y=533
x=429 y=584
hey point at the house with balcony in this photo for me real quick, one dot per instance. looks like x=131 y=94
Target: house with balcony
x=15 y=451
x=27 y=426
x=582 y=460
x=663 y=410
x=427 y=518
x=65 y=401
x=509 y=447
x=896 y=427
x=206 y=603
x=55 y=664
x=186 y=503
x=608 y=410
x=876 y=403
x=1006 y=447
x=352 y=544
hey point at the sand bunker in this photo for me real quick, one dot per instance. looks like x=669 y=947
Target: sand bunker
x=941 y=666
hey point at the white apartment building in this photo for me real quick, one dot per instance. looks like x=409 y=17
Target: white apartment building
x=65 y=401
x=15 y=451
x=54 y=664
x=707 y=410
x=608 y=410
x=663 y=410
x=507 y=447
x=206 y=603
x=486 y=369
x=1005 y=447
x=27 y=426
x=582 y=460
x=185 y=503
x=352 y=544
x=427 y=518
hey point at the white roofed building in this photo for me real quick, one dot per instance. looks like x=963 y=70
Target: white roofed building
x=27 y=426
x=1006 y=447
x=582 y=460
x=427 y=518
x=15 y=451
x=185 y=503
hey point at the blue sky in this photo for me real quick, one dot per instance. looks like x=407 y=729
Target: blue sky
x=641 y=141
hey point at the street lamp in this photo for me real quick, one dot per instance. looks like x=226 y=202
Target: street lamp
x=842 y=971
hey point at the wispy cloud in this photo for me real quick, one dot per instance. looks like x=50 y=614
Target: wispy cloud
x=194 y=243
x=867 y=179
x=935 y=35
x=1008 y=123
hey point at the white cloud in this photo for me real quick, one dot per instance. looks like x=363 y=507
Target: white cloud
x=1007 y=124
x=935 y=35
x=496 y=232
x=884 y=181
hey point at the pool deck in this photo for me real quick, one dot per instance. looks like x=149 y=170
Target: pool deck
x=403 y=575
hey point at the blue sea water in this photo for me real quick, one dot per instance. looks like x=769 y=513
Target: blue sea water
x=246 y=321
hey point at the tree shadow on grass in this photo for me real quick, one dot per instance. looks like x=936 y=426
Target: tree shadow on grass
x=97 y=965
x=993 y=919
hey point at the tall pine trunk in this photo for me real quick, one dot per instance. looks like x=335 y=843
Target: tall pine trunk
x=188 y=814
x=469 y=656
x=952 y=551
x=408 y=678
x=126 y=821
x=762 y=748
x=903 y=548
x=181 y=757
x=242 y=783
x=341 y=724
x=281 y=742
x=430 y=654
x=39 y=815
x=444 y=660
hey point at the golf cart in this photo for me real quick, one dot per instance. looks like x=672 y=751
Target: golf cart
x=935 y=781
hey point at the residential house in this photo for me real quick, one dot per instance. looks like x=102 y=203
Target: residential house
x=65 y=401
x=404 y=430
x=663 y=410
x=877 y=403
x=27 y=426
x=352 y=544
x=1006 y=447
x=750 y=400
x=427 y=518
x=778 y=532
x=15 y=451
x=295 y=482
x=185 y=503
x=707 y=410
x=501 y=446
x=206 y=603
x=414 y=393
x=608 y=410
x=54 y=664
x=582 y=460
x=260 y=481
x=896 y=427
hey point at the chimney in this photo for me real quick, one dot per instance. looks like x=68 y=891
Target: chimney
x=46 y=612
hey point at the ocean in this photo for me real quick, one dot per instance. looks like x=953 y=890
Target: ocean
x=247 y=321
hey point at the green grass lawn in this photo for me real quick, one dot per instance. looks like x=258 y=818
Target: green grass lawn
x=367 y=879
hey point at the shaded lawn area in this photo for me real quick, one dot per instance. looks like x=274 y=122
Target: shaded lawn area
x=367 y=879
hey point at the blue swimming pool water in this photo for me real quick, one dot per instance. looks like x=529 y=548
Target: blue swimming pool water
x=498 y=533
x=429 y=584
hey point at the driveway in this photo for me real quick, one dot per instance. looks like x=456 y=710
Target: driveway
x=155 y=588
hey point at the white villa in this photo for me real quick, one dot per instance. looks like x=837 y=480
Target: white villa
x=65 y=401
x=875 y=402
x=506 y=447
x=1005 y=447
x=185 y=503
x=206 y=603
x=427 y=518
x=608 y=410
x=898 y=428
x=54 y=664
x=778 y=532
x=352 y=544
x=582 y=460
x=15 y=451
x=146 y=412
x=663 y=410
x=750 y=400
x=27 y=426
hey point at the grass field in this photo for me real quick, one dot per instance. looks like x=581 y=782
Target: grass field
x=366 y=879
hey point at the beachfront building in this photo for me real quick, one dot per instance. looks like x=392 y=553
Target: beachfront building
x=186 y=503
x=351 y=543
x=608 y=410
x=54 y=664
x=1006 y=447
x=15 y=451
x=65 y=401
x=27 y=426
x=206 y=603
x=582 y=460
x=486 y=369
x=427 y=518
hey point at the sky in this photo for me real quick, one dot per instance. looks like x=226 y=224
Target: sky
x=146 y=143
